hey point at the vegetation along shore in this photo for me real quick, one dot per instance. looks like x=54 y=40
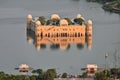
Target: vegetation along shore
x=109 y=5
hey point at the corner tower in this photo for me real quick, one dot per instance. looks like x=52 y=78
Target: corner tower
x=89 y=34
x=29 y=21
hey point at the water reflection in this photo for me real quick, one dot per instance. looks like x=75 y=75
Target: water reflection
x=63 y=43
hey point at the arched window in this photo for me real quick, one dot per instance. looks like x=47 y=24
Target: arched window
x=65 y=34
x=75 y=34
x=48 y=34
x=57 y=35
x=41 y=34
x=45 y=35
x=81 y=34
x=78 y=34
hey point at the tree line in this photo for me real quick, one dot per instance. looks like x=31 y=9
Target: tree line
x=109 y=5
x=51 y=74
x=37 y=74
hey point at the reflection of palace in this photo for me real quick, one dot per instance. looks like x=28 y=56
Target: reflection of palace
x=59 y=36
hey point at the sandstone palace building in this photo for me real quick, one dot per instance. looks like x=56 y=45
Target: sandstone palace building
x=60 y=31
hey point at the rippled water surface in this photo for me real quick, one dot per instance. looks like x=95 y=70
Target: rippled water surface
x=15 y=50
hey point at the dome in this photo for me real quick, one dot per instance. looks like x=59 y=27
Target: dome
x=37 y=23
x=23 y=66
x=63 y=22
x=78 y=15
x=29 y=16
x=90 y=22
x=55 y=16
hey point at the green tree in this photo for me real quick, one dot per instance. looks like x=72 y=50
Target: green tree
x=49 y=22
x=78 y=21
x=115 y=72
x=118 y=5
x=27 y=78
x=32 y=77
x=19 y=77
x=42 y=20
x=102 y=76
x=53 y=72
x=84 y=74
x=50 y=74
x=38 y=71
x=64 y=75
x=69 y=21
x=55 y=21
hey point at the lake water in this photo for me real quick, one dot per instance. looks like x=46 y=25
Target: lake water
x=15 y=50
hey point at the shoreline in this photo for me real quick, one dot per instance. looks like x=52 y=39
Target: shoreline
x=112 y=6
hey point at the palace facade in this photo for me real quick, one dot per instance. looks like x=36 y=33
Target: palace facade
x=61 y=34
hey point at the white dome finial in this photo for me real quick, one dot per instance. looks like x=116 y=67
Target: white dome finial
x=63 y=22
x=29 y=16
x=55 y=16
x=37 y=23
x=79 y=16
x=90 y=22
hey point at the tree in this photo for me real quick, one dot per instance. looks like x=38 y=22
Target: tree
x=50 y=74
x=32 y=77
x=39 y=72
x=102 y=75
x=42 y=20
x=55 y=21
x=64 y=75
x=78 y=21
x=69 y=21
x=115 y=72
x=53 y=72
x=84 y=74
x=118 y=5
x=49 y=22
